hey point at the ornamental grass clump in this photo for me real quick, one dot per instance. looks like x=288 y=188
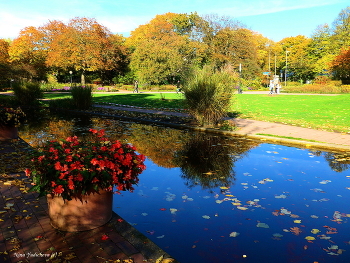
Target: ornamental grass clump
x=11 y=117
x=27 y=93
x=208 y=93
x=73 y=168
x=82 y=97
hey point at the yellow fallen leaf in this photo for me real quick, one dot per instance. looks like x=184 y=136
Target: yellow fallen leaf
x=310 y=238
x=297 y=221
x=223 y=188
x=236 y=203
x=315 y=231
x=242 y=208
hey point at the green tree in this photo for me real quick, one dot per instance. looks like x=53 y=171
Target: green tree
x=319 y=50
x=163 y=50
x=341 y=30
x=235 y=47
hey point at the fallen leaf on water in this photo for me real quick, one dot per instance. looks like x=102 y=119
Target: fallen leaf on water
x=310 y=238
x=234 y=234
x=297 y=221
x=315 y=231
x=295 y=230
x=173 y=210
x=242 y=208
x=263 y=225
x=206 y=217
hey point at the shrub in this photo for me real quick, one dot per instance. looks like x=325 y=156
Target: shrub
x=345 y=88
x=82 y=97
x=313 y=88
x=27 y=93
x=208 y=94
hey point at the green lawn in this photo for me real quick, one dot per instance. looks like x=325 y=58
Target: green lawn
x=152 y=100
x=330 y=113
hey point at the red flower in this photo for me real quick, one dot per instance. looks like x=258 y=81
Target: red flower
x=69 y=158
x=79 y=177
x=58 y=190
x=76 y=165
x=67 y=167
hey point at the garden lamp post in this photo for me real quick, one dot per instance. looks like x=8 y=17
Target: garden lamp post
x=285 y=72
x=70 y=72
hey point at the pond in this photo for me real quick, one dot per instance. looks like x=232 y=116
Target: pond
x=206 y=198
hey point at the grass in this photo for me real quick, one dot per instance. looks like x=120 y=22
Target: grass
x=150 y=100
x=331 y=113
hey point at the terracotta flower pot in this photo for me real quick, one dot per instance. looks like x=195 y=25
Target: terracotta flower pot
x=8 y=132
x=75 y=215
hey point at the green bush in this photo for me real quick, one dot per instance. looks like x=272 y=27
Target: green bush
x=208 y=94
x=82 y=96
x=27 y=93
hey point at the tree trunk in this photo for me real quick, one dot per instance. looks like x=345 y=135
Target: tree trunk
x=82 y=78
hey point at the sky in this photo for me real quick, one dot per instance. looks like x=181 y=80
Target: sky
x=274 y=19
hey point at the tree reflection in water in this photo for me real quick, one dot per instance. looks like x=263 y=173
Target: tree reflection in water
x=208 y=160
x=338 y=162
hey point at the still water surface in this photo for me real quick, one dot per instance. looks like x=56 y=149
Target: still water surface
x=206 y=198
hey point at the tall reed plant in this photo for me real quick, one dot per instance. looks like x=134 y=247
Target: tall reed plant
x=27 y=93
x=208 y=93
x=82 y=96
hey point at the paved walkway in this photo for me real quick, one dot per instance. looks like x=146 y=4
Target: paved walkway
x=26 y=234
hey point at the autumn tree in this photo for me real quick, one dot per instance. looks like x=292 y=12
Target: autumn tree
x=341 y=66
x=84 y=45
x=5 y=67
x=27 y=55
x=294 y=58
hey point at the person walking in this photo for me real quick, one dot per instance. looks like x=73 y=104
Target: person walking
x=136 y=87
x=271 y=86
x=178 y=87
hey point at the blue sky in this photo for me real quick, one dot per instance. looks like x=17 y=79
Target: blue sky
x=275 y=19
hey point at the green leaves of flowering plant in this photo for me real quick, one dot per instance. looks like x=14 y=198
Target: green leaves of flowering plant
x=11 y=116
x=72 y=168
